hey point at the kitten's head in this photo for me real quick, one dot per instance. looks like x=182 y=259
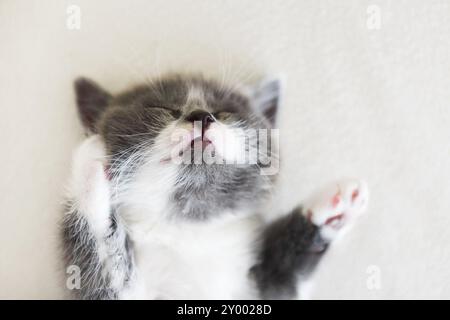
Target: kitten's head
x=208 y=146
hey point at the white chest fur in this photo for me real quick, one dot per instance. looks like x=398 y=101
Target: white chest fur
x=208 y=260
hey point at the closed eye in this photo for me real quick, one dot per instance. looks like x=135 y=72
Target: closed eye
x=222 y=115
x=175 y=113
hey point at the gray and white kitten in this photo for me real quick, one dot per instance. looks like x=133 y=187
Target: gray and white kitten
x=140 y=225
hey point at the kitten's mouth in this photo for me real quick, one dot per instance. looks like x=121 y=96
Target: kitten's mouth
x=196 y=145
x=198 y=142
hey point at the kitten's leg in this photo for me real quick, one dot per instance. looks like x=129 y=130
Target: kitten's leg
x=95 y=240
x=294 y=244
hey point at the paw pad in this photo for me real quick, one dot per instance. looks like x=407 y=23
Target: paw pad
x=337 y=206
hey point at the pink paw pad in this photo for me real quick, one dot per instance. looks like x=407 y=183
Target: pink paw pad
x=336 y=200
x=337 y=206
x=355 y=194
x=335 y=221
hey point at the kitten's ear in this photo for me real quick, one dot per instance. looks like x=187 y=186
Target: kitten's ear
x=267 y=96
x=92 y=100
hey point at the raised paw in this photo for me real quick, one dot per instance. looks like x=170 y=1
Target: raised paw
x=89 y=187
x=336 y=207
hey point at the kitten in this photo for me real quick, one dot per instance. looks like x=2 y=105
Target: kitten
x=147 y=218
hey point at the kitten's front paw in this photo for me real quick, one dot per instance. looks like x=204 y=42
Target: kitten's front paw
x=335 y=208
x=89 y=189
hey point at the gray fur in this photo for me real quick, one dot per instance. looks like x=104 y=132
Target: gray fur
x=80 y=249
x=291 y=247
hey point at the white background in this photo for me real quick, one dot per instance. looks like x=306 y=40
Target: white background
x=358 y=102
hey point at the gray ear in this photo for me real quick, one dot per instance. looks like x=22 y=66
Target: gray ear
x=92 y=100
x=267 y=97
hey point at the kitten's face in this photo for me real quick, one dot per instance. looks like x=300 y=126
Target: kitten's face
x=202 y=136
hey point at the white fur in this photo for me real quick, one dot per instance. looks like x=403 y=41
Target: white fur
x=194 y=261
x=229 y=143
x=89 y=186
x=196 y=96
